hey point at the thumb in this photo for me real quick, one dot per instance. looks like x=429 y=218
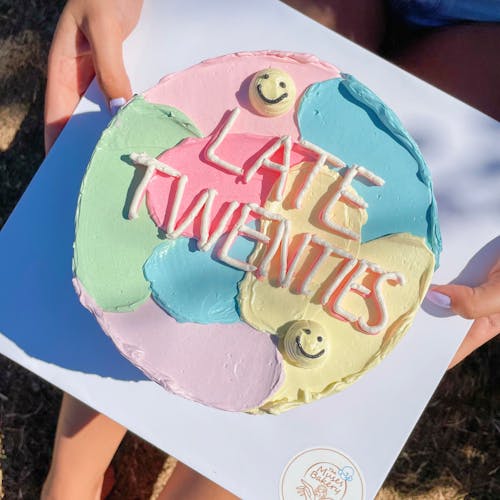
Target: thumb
x=106 y=39
x=470 y=302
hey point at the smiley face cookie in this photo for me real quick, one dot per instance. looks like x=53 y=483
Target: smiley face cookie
x=305 y=344
x=272 y=92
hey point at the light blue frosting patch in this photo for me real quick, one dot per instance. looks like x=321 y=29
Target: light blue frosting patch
x=193 y=286
x=347 y=119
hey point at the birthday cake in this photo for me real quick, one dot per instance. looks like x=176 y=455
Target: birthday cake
x=256 y=231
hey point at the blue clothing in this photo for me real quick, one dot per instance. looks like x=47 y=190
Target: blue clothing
x=431 y=13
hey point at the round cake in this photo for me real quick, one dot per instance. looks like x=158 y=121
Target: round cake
x=256 y=231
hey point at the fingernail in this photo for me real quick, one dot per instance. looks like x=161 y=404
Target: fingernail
x=115 y=104
x=440 y=299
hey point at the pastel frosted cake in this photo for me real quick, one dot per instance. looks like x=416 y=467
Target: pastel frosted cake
x=255 y=232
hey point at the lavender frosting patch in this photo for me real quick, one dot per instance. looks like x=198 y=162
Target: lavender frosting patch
x=235 y=369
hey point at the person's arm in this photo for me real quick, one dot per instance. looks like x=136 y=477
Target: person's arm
x=482 y=304
x=87 y=42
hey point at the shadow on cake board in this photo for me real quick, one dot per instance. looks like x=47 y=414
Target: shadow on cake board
x=41 y=313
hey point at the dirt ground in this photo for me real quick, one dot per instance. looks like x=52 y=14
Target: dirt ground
x=452 y=453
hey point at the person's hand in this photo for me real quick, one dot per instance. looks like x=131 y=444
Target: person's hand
x=482 y=304
x=87 y=42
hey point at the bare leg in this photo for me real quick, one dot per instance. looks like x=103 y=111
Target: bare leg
x=362 y=21
x=461 y=60
x=84 y=446
x=187 y=484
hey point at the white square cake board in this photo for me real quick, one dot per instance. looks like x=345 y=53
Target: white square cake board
x=45 y=329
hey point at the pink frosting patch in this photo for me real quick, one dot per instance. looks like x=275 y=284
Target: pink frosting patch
x=189 y=159
x=232 y=367
x=205 y=92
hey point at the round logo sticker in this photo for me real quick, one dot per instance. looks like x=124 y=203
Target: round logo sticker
x=322 y=474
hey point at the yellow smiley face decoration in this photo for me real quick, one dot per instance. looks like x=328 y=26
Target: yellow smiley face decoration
x=305 y=344
x=272 y=92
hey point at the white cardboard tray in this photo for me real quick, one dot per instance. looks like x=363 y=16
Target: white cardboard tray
x=45 y=329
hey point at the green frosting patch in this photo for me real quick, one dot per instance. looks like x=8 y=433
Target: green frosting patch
x=110 y=249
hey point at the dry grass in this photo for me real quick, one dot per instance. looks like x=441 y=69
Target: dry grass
x=2 y=457
x=452 y=453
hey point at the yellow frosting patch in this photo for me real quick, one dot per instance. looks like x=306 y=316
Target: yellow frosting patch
x=351 y=352
x=269 y=307
x=257 y=297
